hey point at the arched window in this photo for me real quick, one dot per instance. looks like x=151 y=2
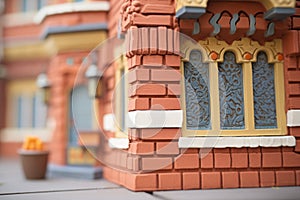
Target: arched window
x=231 y=93
x=264 y=93
x=196 y=77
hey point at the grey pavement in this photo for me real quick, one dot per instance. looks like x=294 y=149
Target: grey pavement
x=14 y=186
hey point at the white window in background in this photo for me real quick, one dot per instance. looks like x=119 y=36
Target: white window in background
x=81 y=109
x=39 y=111
x=30 y=111
x=24 y=111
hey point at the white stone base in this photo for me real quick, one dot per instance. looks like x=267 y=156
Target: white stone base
x=293 y=118
x=236 y=142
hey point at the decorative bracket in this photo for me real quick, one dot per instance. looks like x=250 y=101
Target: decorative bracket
x=276 y=9
x=190 y=9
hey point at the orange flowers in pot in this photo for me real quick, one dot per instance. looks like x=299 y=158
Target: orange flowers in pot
x=33 y=143
x=34 y=158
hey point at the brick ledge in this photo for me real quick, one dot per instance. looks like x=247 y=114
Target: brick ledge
x=70 y=7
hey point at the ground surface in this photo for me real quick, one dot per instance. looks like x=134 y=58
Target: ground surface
x=14 y=186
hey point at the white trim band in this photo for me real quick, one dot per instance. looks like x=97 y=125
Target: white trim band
x=18 y=135
x=118 y=143
x=70 y=7
x=293 y=118
x=109 y=122
x=236 y=142
x=18 y=19
x=155 y=119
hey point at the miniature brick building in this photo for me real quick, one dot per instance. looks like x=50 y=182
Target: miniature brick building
x=239 y=129
x=221 y=111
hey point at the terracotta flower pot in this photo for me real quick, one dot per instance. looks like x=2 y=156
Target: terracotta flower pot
x=34 y=163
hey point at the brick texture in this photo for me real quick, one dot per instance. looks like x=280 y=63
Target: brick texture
x=291 y=159
x=207 y=161
x=210 y=180
x=230 y=179
x=141 y=182
x=147 y=89
x=160 y=134
x=271 y=159
x=165 y=104
x=187 y=161
x=285 y=178
x=167 y=148
x=239 y=158
x=141 y=148
x=165 y=75
x=222 y=158
x=138 y=75
x=153 y=60
x=172 y=60
x=254 y=158
x=169 y=181
x=138 y=104
x=267 y=179
x=297 y=177
x=190 y=180
x=174 y=89
x=155 y=163
x=249 y=179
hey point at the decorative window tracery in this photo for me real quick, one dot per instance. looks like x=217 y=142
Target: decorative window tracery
x=231 y=93
x=233 y=90
x=196 y=76
x=264 y=93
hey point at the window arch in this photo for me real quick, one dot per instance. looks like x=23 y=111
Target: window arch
x=231 y=93
x=196 y=77
x=264 y=95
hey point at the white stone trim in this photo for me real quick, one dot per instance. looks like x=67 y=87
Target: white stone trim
x=118 y=143
x=293 y=118
x=109 y=122
x=236 y=142
x=155 y=119
x=18 y=19
x=18 y=135
x=70 y=7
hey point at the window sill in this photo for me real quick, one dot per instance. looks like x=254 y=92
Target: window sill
x=19 y=134
x=118 y=143
x=236 y=142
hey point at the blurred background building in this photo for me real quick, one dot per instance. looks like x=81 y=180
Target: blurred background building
x=50 y=38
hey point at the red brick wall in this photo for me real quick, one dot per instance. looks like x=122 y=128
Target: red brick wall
x=153 y=160
x=185 y=169
x=114 y=17
x=291 y=47
x=25 y=69
x=10 y=6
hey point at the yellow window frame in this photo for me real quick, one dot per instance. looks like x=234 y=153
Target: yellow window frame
x=120 y=65
x=239 y=48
